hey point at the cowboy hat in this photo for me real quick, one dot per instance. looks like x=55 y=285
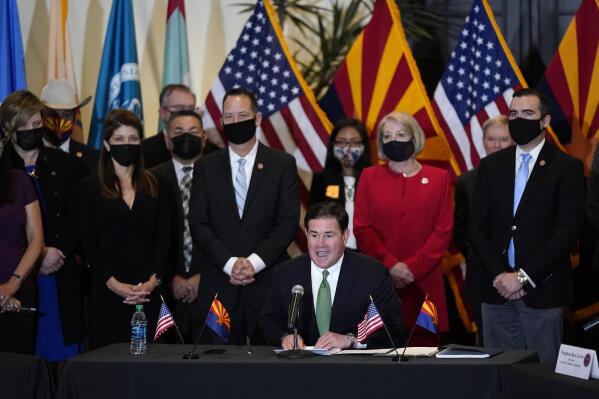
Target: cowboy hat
x=58 y=94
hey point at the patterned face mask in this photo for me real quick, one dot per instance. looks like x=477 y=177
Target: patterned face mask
x=58 y=130
x=347 y=154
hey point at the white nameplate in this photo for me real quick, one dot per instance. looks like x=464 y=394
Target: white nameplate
x=577 y=362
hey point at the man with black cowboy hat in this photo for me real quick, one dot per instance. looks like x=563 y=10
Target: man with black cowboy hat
x=59 y=121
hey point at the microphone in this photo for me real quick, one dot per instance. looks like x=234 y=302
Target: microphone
x=294 y=307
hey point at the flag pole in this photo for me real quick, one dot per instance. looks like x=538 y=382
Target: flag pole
x=396 y=357
x=193 y=354
x=174 y=322
x=403 y=357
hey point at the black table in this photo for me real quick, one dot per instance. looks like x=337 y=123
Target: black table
x=111 y=372
x=24 y=377
x=539 y=381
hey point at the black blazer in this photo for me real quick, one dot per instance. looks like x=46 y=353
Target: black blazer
x=269 y=223
x=59 y=177
x=360 y=276
x=545 y=228
x=167 y=179
x=324 y=179
x=88 y=155
x=155 y=151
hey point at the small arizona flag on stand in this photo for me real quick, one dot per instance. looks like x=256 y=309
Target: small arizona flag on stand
x=428 y=318
x=218 y=320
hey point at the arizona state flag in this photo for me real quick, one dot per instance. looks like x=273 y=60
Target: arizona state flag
x=572 y=83
x=379 y=76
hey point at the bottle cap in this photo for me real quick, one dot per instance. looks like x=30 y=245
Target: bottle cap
x=139 y=307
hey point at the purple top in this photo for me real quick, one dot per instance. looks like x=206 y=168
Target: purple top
x=13 y=219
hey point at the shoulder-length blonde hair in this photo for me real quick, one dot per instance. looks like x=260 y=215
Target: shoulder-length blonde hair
x=409 y=123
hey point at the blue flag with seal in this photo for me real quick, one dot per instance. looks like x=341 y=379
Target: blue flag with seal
x=118 y=80
x=12 y=67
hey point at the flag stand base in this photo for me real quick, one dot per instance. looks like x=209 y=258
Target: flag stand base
x=295 y=354
x=191 y=355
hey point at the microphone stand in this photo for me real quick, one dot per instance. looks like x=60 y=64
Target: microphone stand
x=296 y=352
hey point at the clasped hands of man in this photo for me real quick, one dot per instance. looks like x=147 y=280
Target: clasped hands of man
x=243 y=272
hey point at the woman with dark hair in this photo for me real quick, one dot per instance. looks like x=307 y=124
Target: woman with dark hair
x=55 y=177
x=125 y=224
x=21 y=243
x=348 y=152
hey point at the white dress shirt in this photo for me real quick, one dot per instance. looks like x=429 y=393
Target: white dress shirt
x=332 y=279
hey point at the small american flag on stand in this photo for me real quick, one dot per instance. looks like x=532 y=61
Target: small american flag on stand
x=372 y=322
x=165 y=321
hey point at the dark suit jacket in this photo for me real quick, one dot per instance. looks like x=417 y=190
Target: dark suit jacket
x=59 y=177
x=320 y=182
x=360 y=276
x=155 y=151
x=88 y=155
x=545 y=228
x=269 y=223
x=167 y=179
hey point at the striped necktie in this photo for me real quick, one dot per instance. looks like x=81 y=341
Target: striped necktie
x=240 y=186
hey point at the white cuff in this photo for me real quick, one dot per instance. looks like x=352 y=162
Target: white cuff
x=532 y=283
x=229 y=265
x=257 y=262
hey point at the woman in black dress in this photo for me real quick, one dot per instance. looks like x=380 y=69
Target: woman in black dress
x=348 y=152
x=124 y=223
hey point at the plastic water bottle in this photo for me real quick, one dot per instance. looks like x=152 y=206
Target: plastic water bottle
x=138 y=331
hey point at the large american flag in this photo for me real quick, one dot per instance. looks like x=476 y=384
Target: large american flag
x=372 y=322
x=478 y=84
x=292 y=120
x=165 y=321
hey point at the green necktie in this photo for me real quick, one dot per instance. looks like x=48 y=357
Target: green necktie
x=323 y=305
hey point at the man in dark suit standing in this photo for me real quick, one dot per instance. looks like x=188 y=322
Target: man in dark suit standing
x=60 y=118
x=337 y=287
x=527 y=213
x=243 y=215
x=496 y=136
x=185 y=139
x=173 y=98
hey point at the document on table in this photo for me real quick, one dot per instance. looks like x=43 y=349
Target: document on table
x=412 y=351
x=316 y=351
x=466 y=352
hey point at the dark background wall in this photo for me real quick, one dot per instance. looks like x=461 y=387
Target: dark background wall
x=533 y=30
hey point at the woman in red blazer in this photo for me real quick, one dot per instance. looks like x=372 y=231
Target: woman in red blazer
x=404 y=218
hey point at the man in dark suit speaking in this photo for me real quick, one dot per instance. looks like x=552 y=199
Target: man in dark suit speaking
x=337 y=286
x=244 y=211
x=527 y=213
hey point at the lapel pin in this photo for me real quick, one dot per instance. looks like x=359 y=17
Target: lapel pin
x=542 y=162
x=424 y=180
x=79 y=154
x=260 y=165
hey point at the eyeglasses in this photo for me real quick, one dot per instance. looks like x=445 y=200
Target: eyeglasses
x=352 y=143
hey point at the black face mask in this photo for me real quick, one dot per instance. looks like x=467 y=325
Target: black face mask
x=125 y=154
x=187 y=146
x=240 y=132
x=398 y=151
x=523 y=131
x=30 y=139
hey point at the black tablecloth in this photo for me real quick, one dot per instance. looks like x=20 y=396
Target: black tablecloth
x=539 y=381
x=111 y=372
x=24 y=377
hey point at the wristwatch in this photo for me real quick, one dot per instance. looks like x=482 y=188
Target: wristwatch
x=521 y=277
x=352 y=340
